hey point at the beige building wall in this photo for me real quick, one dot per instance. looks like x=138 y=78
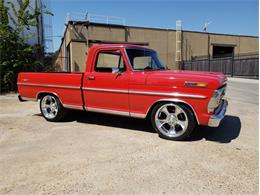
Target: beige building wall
x=82 y=32
x=78 y=56
x=60 y=61
x=194 y=44
x=248 y=45
x=106 y=33
x=163 y=41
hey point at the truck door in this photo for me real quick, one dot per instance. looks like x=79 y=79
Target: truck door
x=106 y=85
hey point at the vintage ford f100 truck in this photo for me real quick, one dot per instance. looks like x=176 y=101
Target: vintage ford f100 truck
x=130 y=80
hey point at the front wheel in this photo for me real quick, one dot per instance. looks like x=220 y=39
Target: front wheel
x=172 y=121
x=51 y=108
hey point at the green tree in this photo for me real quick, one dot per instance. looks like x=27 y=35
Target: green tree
x=15 y=54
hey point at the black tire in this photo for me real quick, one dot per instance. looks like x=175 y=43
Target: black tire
x=61 y=111
x=190 y=118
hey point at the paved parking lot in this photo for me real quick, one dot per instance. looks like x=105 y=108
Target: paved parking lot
x=101 y=154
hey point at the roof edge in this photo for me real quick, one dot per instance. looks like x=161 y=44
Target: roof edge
x=154 y=28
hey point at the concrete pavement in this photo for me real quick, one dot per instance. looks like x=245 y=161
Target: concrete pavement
x=101 y=154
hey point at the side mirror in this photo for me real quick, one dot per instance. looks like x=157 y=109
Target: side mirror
x=120 y=72
x=115 y=70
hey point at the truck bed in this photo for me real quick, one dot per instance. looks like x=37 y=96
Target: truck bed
x=66 y=86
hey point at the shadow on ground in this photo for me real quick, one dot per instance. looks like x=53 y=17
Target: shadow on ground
x=228 y=130
x=110 y=121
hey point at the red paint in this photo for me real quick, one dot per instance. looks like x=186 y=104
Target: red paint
x=165 y=81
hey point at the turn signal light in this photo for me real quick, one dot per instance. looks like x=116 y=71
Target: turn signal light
x=195 y=84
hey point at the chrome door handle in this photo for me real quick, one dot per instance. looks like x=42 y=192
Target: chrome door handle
x=91 y=77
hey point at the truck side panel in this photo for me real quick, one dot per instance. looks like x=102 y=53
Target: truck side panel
x=67 y=86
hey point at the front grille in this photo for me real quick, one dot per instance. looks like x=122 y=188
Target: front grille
x=218 y=108
x=222 y=91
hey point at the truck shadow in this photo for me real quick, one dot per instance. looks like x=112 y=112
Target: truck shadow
x=110 y=121
x=228 y=130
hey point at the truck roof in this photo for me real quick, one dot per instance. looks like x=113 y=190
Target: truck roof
x=117 y=45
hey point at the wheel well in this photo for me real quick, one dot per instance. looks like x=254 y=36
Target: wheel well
x=176 y=102
x=42 y=94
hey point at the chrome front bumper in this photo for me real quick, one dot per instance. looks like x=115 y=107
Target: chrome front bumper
x=214 y=120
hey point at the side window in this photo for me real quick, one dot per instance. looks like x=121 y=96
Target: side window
x=109 y=61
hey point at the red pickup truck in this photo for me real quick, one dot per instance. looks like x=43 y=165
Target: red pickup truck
x=130 y=80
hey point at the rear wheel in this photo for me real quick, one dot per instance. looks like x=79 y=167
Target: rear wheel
x=172 y=121
x=51 y=108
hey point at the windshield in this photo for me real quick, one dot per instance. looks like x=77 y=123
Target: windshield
x=144 y=59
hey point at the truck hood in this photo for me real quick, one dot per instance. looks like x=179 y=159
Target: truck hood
x=179 y=77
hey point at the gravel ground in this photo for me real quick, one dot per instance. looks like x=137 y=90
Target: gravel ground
x=100 y=154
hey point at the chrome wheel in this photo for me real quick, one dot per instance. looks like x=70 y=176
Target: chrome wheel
x=49 y=107
x=171 y=120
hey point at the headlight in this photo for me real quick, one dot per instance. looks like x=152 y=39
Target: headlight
x=215 y=99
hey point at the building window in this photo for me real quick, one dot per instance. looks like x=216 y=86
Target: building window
x=222 y=51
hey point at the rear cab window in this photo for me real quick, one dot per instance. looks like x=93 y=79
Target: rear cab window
x=110 y=62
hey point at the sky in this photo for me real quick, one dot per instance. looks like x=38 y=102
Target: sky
x=238 y=17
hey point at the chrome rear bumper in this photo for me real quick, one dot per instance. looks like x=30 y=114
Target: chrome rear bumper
x=214 y=120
